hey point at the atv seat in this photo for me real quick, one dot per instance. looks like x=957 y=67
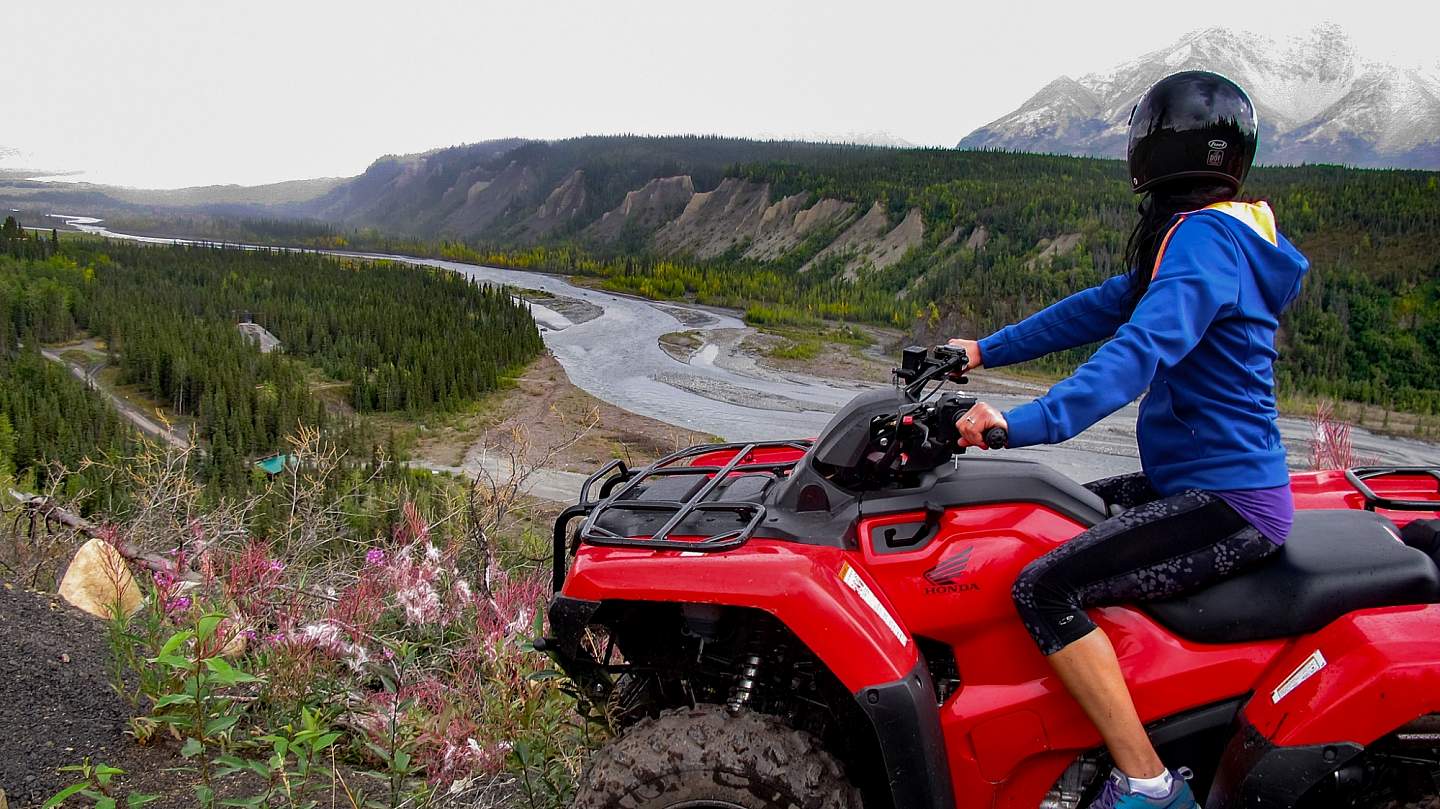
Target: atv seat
x=1335 y=561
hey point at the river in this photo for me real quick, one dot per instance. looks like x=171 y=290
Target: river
x=616 y=357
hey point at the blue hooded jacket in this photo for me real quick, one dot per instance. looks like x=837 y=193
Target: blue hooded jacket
x=1201 y=339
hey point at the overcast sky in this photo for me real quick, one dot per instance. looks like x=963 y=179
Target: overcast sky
x=155 y=93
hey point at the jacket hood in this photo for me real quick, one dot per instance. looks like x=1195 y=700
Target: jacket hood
x=1278 y=265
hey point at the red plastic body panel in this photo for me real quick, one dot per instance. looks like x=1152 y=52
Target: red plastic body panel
x=800 y=585
x=1382 y=669
x=1011 y=728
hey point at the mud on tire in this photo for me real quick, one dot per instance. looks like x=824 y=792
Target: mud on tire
x=690 y=756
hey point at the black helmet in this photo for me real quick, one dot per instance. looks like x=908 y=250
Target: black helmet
x=1191 y=124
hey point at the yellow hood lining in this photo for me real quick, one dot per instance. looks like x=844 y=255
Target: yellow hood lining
x=1257 y=215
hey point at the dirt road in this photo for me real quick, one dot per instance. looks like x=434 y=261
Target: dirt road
x=87 y=374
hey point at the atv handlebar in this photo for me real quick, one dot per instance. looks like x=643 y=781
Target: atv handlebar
x=921 y=433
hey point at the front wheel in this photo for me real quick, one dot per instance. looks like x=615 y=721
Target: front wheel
x=693 y=758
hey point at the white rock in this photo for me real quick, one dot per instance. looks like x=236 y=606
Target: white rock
x=98 y=581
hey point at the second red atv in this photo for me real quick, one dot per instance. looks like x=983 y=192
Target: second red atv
x=829 y=623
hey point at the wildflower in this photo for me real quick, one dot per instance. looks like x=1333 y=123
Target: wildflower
x=276 y=566
x=375 y=557
x=177 y=604
x=420 y=602
x=327 y=637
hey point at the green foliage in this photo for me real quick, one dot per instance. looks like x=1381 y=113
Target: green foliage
x=405 y=337
x=97 y=784
x=48 y=418
x=796 y=350
x=402 y=337
x=296 y=755
x=197 y=700
x=1367 y=324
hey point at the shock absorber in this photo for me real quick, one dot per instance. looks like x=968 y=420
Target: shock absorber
x=745 y=683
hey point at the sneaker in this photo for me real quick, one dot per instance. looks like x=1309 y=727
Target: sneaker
x=1116 y=794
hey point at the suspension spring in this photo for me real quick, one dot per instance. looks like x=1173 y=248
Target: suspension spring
x=745 y=685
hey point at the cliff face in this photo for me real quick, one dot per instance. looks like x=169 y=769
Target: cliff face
x=871 y=244
x=486 y=200
x=631 y=195
x=863 y=233
x=560 y=208
x=413 y=193
x=715 y=221
x=1050 y=248
x=787 y=223
x=909 y=234
x=739 y=214
x=644 y=209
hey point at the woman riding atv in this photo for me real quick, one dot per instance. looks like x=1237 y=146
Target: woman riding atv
x=1193 y=321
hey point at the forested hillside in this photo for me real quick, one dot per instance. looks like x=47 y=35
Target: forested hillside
x=49 y=421
x=936 y=241
x=403 y=338
x=949 y=242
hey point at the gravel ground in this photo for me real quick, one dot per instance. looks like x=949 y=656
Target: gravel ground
x=59 y=708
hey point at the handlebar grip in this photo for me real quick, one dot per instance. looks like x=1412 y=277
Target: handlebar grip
x=996 y=438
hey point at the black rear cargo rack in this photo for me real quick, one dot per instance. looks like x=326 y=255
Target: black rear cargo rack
x=675 y=495
x=1358 y=475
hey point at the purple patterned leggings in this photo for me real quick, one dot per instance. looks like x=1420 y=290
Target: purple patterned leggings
x=1158 y=548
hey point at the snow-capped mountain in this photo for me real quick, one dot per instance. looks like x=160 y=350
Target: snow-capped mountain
x=1317 y=99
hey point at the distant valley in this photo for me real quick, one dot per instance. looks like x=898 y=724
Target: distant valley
x=937 y=242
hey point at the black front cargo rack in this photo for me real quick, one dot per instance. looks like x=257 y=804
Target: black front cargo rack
x=646 y=508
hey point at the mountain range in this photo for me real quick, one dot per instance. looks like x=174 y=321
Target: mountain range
x=1317 y=99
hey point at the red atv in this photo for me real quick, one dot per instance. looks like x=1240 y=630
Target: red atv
x=829 y=623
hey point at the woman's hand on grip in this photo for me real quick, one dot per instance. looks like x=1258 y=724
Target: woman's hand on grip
x=975 y=422
x=972 y=352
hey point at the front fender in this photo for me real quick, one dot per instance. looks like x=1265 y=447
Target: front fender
x=829 y=602
x=831 y=605
x=1324 y=700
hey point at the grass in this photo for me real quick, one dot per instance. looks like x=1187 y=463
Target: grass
x=796 y=350
x=80 y=357
x=681 y=344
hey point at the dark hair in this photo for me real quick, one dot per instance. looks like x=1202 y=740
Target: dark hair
x=1156 y=209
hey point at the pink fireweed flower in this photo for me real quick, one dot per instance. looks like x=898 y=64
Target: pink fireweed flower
x=177 y=604
x=420 y=602
x=110 y=535
x=380 y=710
x=414 y=584
x=250 y=577
x=329 y=638
x=375 y=557
x=413 y=528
